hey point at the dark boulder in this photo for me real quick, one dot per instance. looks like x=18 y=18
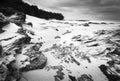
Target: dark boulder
x=110 y=77
x=72 y=78
x=37 y=63
x=23 y=40
x=85 y=77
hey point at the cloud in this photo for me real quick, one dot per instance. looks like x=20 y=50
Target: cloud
x=110 y=2
x=101 y=9
x=109 y=12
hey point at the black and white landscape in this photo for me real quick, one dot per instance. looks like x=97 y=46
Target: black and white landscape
x=41 y=45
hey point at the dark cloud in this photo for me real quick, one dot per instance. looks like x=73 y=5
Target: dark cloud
x=109 y=9
x=110 y=2
x=109 y=13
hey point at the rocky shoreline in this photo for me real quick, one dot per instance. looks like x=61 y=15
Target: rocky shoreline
x=72 y=51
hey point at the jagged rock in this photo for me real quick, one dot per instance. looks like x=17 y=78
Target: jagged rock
x=13 y=73
x=117 y=68
x=72 y=78
x=58 y=67
x=59 y=76
x=3 y=72
x=37 y=46
x=8 y=15
x=16 y=46
x=21 y=31
x=3 y=22
x=37 y=58
x=85 y=77
x=8 y=59
x=101 y=32
x=56 y=78
x=116 y=33
x=8 y=72
x=93 y=44
x=30 y=32
x=103 y=23
x=57 y=37
x=23 y=40
x=7 y=39
x=30 y=24
x=86 y=24
x=111 y=77
x=1 y=51
x=93 y=23
x=81 y=38
x=74 y=60
x=77 y=38
x=37 y=63
x=18 y=18
x=114 y=66
x=67 y=32
x=18 y=50
x=116 y=51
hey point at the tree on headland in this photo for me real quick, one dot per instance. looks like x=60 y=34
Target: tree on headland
x=30 y=10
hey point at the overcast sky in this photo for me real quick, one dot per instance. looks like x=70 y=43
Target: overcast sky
x=82 y=9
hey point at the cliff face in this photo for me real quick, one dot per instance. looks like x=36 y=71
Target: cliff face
x=9 y=69
x=30 y=10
